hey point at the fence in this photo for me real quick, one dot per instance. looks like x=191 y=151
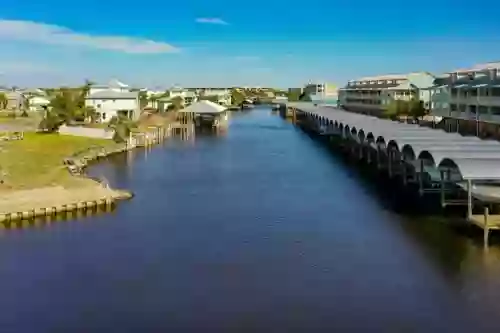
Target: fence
x=97 y=133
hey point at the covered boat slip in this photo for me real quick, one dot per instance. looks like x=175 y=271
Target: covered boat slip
x=436 y=157
x=208 y=114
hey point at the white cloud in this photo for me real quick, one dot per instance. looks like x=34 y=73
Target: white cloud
x=29 y=31
x=211 y=20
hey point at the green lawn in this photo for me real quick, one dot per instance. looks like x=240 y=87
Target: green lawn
x=32 y=120
x=37 y=160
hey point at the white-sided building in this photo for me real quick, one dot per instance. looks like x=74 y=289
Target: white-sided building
x=321 y=89
x=374 y=94
x=188 y=97
x=110 y=103
x=38 y=103
x=221 y=96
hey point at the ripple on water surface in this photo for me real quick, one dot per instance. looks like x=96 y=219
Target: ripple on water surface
x=262 y=230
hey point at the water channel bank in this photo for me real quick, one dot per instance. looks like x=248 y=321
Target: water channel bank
x=259 y=230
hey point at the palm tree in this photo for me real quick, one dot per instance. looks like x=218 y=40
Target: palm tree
x=122 y=126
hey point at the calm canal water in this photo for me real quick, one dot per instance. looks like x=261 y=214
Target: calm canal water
x=259 y=230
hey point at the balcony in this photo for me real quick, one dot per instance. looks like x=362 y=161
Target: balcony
x=472 y=100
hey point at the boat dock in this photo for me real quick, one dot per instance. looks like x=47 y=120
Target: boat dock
x=463 y=170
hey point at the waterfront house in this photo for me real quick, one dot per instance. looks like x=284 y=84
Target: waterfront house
x=15 y=100
x=475 y=93
x=37 y=103
x=110 y=103
x=468 y=100
x=219 y=96
x=33 y=92
x=372 y=95
x=187 y=98
x=320 y=89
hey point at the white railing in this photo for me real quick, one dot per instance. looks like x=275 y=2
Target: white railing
x=473 y=100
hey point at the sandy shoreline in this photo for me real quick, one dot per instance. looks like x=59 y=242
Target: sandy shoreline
x=55 y=196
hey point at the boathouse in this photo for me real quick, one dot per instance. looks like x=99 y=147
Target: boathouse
x=208 y=114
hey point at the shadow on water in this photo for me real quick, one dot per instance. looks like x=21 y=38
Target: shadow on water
x=443 y=234
x=258 y=230
x=79 y=215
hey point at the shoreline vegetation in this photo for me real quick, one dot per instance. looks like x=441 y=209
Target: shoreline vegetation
x=34 y=177
x=41 y=169
x=36 y=170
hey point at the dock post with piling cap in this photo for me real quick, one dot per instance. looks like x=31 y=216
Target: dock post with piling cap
x=486 y=229
x=469 y=199
x=442 y=189
x=420 y=176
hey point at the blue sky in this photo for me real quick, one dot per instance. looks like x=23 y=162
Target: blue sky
x=223 y=43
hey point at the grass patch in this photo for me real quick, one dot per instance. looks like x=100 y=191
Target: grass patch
x=37 y=161
x=32 y=120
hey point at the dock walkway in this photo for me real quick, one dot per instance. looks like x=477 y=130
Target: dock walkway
x=469 y=163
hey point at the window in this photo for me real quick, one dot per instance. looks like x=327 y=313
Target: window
x=453 y=107
x=495 y=110
x=104 y=116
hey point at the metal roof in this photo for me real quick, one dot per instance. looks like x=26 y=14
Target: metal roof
x=113 y=94
x=204 y=107
x=472 y=157
x=474 y=169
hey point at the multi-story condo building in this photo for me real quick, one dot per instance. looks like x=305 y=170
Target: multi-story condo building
x=320 y=89
x=373 y=94
x=471 y=94
x=322 y=92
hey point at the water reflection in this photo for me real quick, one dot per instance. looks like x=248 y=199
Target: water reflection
x=262 y=229
x=77 y=215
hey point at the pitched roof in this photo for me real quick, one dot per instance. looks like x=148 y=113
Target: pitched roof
x=403 y=86
x=189 y=94
x=13 y=95
x=204 y=107
x=116 y=83
x=216 y=92
x=479 y=67
x=112 y=94
x=383 y=77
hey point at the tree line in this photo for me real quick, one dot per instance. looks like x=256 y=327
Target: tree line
x=413 y=108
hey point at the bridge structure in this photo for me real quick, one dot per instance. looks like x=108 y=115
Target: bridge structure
x=432 y=159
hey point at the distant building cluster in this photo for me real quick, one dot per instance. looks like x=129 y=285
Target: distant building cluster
x=23 y=99
x=116 y=98
x=374 y=94
x=468 y=94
